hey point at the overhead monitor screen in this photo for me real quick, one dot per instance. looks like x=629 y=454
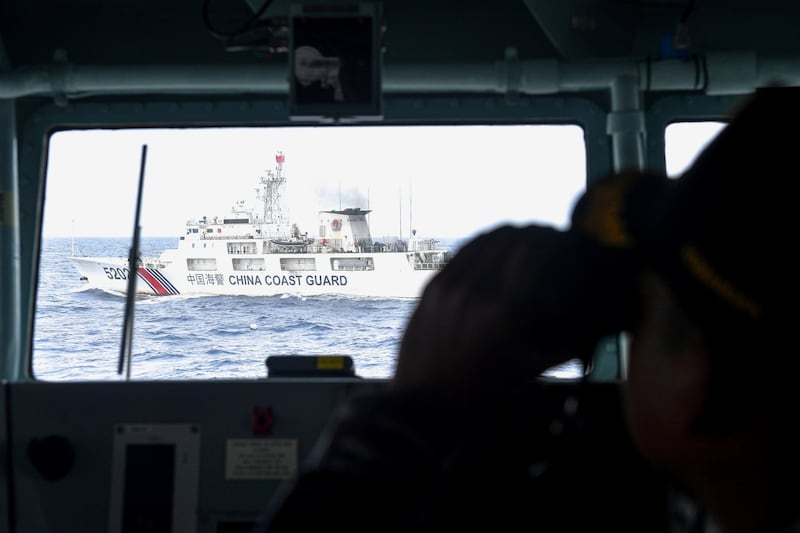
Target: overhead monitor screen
x=335 y=62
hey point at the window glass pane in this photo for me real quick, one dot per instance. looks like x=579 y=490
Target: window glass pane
x=684 y=140
x=359 y=194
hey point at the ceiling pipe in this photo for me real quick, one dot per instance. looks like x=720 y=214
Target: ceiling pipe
x=725 y=73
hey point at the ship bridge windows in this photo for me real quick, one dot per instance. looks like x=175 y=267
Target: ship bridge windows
x=236 y=248
x=201 y=263
x=531 y=172
x=292 y=264
x=352 y=263
x=249 y=263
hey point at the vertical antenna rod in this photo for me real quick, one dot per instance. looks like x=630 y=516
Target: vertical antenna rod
x=411 y=231
x=400 y=212
x=133 y=267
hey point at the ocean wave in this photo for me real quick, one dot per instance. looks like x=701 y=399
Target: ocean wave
x=78 y=330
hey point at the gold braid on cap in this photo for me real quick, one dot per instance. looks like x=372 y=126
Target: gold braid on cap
x=703 y=272
x=603 y=216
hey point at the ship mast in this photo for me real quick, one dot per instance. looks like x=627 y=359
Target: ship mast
x=274 y=184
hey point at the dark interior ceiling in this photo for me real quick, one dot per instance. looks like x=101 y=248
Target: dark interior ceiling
x=99 y=32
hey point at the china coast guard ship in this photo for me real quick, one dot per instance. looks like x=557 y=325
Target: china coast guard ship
x=257 y=251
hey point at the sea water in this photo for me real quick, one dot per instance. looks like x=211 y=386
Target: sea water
x=78 y=330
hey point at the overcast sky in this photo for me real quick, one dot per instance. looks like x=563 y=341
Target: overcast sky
x=444 y=181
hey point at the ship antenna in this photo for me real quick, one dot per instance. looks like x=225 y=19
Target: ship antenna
x=411 y=231
x=273 y=183
x=400 y=212
x=133 y=267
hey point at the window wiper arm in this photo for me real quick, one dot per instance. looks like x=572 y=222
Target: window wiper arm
x=133 y=267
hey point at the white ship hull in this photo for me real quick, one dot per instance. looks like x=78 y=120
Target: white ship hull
x=393 y=276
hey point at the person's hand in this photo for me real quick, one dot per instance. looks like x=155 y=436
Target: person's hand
x=494 y=317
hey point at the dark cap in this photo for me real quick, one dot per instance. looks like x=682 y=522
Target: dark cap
x=721 y=234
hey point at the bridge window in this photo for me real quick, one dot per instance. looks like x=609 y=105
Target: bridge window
x=297 y=264
x=352 y=263
x=201 y=263
x=439 y=184
x=684 y=140
x=250 y=263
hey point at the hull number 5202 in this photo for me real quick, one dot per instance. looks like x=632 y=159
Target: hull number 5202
x=116 y=272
